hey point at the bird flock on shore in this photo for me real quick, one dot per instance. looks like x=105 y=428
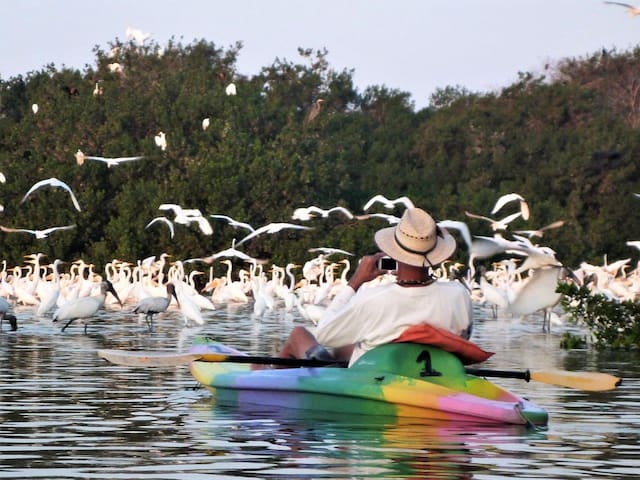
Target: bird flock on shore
x=521 y=283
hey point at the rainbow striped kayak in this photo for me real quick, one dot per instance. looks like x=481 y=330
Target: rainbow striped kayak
x=397 y=379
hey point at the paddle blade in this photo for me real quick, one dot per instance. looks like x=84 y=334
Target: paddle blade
x=591 y=381
x=147 y=359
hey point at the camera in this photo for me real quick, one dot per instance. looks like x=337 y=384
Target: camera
x=387 y=263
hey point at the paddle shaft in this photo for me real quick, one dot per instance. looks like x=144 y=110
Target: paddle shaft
x=483 y=372
x=296 y=362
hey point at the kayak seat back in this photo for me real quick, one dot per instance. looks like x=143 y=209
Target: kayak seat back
x=414 y=360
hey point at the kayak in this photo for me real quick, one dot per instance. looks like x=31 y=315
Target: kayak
x=396 y=379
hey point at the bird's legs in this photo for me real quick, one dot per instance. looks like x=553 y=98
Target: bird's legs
x=67 y=324
x=149 y=318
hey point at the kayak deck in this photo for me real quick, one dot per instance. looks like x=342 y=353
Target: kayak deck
x=407 y=380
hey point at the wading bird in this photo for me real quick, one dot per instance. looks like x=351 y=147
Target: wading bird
x=85 y=307
x=149 y=306
x=314 y=111
x=4 y=313
x=52 y=182
x=231 y=89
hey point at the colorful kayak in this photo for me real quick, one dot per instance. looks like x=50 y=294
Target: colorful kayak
x=397 y=379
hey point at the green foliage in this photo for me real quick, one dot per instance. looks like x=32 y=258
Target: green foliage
x=613 y=324
x=568 y=143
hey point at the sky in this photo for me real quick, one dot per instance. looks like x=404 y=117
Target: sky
x=414 y=46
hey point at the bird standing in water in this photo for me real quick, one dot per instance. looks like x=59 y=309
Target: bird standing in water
x=152 y=305
x=85 y=307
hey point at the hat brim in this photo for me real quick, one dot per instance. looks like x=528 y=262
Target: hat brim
x=445 y=247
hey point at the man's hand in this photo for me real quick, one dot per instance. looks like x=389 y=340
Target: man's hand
x=366 y=271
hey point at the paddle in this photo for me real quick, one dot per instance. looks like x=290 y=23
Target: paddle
x=591 y=381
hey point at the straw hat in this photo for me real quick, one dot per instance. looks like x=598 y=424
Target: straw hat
x=416 y=240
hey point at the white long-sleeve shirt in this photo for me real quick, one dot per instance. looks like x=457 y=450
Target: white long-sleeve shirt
x=377 y=315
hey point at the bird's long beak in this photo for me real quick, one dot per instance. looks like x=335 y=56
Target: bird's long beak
x=114 y=293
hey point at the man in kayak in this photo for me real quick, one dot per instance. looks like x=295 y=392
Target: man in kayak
x=363 y=316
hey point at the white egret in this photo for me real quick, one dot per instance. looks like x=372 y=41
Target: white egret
x=205 y=123
x=387 y=202
x=137 y=35
x=231 y=89
x=511 y=197
x=496 y=225
x=52 y=291
x=226 y=253
x=307 y=213
x=3 y=179
x=186 y=216
x=35 y=108
x=538 y=292
x=164 y=220
x=39 y=234
x=111 y=162
x=460 y=226
x=234 y=223
x=52 y=182
x=115 y=67
x=329 y=251
x=161 y=141
x=149 y=306
x=540 y=231
x=272 y=228
x=391 y=219
x=85 y=307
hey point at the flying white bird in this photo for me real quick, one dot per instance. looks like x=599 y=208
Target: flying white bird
x=272 y=228
x=391 y=219
x=231 y=89
x=228 y=252
x=496 y=224
x=232 y=222
x=37 y=233
x=161 y=141
x=307 y=213
x=388 y=203
x=115 y=67
x=540 y=232
x=52 y=182
x=138 y=35
x=329 y=251
x=164 y=220
x=511 y=197
x=460 y=226
x=631 y=9
x=186 y=216
x=111 y=162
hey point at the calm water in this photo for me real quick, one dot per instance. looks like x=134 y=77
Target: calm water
x=68 y=414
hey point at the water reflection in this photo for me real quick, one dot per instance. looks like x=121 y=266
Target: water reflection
x=68 y=414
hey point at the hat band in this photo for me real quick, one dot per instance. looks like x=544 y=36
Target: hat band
x=410 y=250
